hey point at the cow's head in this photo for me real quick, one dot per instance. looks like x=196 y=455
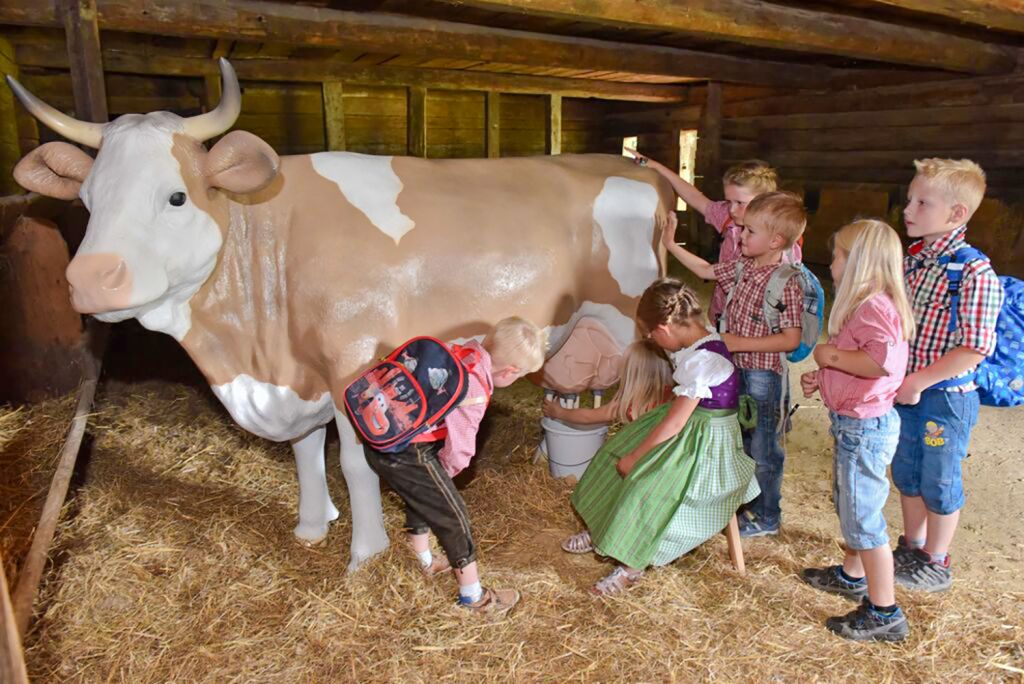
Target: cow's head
x=152 y=238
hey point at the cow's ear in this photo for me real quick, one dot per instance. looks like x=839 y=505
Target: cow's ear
x=241 y=163
x=56 y=169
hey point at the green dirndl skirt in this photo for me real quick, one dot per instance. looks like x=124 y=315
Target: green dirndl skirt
x=679 y=495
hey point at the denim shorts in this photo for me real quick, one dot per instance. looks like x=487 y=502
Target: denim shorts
x=864 y=448
x=934 y=437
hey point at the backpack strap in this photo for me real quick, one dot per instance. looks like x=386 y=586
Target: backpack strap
x=774 y=303
x=954 y=264
x=723 y=325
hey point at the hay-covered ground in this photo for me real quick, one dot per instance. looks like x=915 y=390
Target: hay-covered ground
x=175 y=562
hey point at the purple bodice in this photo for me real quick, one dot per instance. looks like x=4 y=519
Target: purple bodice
x=727 y=394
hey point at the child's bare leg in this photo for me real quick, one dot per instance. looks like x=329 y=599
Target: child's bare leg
x=940 y=531
x=419 y=542
x=468 y=575
x=878 y=566
x=915 y=518
x=852 y=564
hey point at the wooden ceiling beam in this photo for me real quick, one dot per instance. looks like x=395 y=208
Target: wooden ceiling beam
x=786 y=28
x=315 y=71
x=277 y=22
x=1005 y=15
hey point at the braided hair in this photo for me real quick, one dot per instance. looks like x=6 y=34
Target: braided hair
x=753 y=174
x=667 y=300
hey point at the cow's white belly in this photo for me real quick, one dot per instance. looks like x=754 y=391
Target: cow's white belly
x=272 y=411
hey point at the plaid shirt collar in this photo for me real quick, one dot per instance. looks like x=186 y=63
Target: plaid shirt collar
x=922 y=251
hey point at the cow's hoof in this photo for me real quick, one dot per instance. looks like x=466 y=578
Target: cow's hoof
x=361 y=556
x=310 y=535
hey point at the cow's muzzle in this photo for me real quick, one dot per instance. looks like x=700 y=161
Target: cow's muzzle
x=99 y=283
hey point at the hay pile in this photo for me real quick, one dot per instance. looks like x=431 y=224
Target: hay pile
x=176 y=563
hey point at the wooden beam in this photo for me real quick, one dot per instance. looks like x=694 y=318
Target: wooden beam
x=553 y=125
x=912 y=117
x=935 y=138
x=12 y=659
x=82 y=34
x=315 y=71
x=334 y=114
x=493 y=123
x=417 y=122
x=1005 y=15
x=987 y=158
x=775 y=26
x=277 y=22
x=709 y=159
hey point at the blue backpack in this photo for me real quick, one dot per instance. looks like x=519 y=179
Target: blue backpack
x=1000 y=377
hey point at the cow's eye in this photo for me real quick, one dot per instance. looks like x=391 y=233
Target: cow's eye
x=177 y=199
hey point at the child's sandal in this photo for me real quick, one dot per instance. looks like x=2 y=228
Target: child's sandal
x=578 y=543
x=618 y=581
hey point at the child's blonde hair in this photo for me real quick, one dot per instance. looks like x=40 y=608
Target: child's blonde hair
x=874 y=264
x=753 y=174
x=961 y=180
x=516 y=342
x=645 y=375
x=667 y=300
x=780 y=213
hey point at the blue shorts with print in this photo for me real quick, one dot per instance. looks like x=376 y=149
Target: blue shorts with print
x=934 y=436
x=864 y=448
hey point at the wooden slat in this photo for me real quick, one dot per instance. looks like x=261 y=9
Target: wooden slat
x=493 y=121
x=1007 y=15
x=417 y=121
x=323 y=70
x=553 y=125
x=769 y=25
x=936 y=138
x=378 y=32
x=12 y=660
x=82 y=35
x=988 y=114
x=334 y=114
x=999 y=158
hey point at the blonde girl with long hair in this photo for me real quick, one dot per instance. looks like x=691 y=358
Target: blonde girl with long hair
x=645 y=382
x=859 y=372
x=673 y=477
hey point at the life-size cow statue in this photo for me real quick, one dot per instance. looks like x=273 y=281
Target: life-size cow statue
x=282 y=278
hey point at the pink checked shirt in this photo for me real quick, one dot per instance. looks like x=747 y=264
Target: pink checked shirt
x=875 y=329
x=717 y=214
x=464 y=421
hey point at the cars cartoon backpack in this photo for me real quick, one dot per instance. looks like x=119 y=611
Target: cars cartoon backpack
x=812 y=317
x=1000 y=377
x=409 y=392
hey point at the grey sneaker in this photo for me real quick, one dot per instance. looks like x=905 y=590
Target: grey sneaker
x=867 y=624
x=829 y=579
x=903 y=553
x=921 y=574
x=756 y=527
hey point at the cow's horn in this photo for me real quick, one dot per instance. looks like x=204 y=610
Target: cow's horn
x=81 y=132
x=213 y=123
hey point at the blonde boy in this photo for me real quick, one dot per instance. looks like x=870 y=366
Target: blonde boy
x=939 y=398
x=773 y=222
x=422 y=473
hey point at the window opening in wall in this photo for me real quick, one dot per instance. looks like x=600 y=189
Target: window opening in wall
x=629 y=141
x=687 y=160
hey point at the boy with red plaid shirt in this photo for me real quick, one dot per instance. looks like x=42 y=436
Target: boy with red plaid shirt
x=773 y=222
x=938 y=401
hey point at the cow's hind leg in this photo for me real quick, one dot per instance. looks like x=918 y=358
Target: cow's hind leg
x=316 y=509
x=368 y=535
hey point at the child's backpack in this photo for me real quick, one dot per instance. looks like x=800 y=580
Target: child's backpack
x=813 y=315
x=409 y=392
x=1000 y=377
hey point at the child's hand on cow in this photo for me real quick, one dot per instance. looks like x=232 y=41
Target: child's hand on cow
x=809 y=383
x=638 y=159
x=668 y=230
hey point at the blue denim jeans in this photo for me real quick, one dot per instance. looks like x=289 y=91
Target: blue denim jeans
x=864 y=448
x=763 y=443
x=934 y=435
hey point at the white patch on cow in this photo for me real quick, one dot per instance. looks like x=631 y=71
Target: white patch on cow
x=271 y=411
x=625 y=211
x=171 y=316
x=370 y=184
x=621 y=326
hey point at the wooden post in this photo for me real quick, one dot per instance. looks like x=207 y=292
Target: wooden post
x=553 y=121
x=417 y=140
x=10 y=149
x=709 y=158
x=12 y=659
x=82 y=33
x=493 y=123
x=334 y=114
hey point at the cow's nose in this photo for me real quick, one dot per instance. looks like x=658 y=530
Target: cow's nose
x=99 y=283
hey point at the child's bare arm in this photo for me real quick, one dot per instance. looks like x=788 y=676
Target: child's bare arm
x=785 y=341
x=581 y=416
x=855 y=362
x=700 y=268
x=951 y=364
x=689 y=194
x=670 y=426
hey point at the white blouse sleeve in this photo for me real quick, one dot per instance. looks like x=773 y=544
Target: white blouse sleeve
x=696 y=373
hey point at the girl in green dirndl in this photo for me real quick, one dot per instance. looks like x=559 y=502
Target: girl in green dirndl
x=674 y=477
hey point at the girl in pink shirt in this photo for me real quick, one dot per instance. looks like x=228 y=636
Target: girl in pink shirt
x=859 y=372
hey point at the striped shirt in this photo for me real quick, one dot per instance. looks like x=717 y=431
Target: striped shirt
x=981 y=297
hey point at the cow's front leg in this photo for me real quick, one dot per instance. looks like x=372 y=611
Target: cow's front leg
x=316 y=509
x=368 y=535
